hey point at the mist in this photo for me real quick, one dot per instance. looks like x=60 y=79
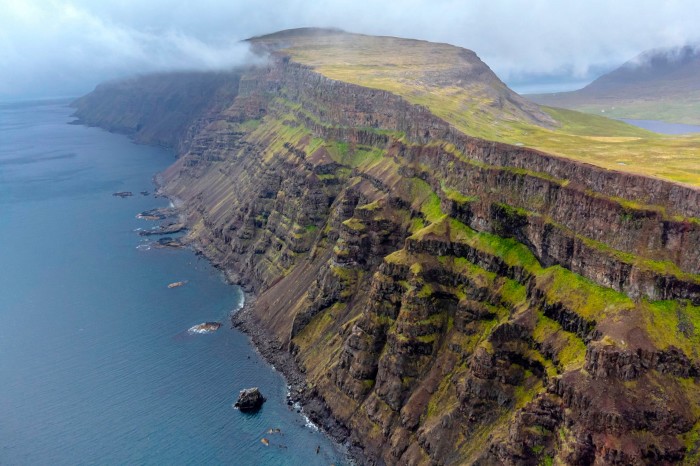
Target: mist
x=64 y=48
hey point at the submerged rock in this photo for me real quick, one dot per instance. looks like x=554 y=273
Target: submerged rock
x=168 y=242
x=205 y=327
x=249 y=399
x=123 y=194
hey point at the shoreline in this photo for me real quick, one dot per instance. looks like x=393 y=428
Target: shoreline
x=310 y=404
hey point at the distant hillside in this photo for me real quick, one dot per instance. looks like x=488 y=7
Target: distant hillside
x=156 y=109
x=662 y=84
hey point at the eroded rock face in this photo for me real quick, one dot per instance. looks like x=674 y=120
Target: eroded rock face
x=249 y=399
x=451 y=300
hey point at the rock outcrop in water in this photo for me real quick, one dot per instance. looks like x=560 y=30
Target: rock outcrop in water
x=451 y=300
x=250 y=399
x=204 y=327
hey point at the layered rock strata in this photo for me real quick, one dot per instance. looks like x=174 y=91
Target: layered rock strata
x=451 y=300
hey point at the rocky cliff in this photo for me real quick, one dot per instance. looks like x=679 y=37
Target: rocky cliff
x=158 y=109
x=451 y=300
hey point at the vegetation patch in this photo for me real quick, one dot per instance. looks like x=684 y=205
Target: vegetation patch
x=354 y=224
x=471 y=108
x=673 y=323
x=570 y=350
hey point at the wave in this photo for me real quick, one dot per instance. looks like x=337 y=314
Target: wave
x=204 y=327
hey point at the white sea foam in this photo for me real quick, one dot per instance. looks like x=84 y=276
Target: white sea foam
x=310 y=424
x=239 y=305
x=307 y=422
x=194 y=329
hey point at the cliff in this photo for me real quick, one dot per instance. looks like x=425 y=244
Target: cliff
x=451 y=300
x=158 y=109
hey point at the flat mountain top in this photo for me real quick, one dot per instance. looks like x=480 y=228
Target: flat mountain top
x=657 y=84
x=460 y=88
x=446 y=78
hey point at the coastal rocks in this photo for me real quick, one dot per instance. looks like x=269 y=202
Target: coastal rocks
x=160 y=213
x=168 y=242
x=249 y=399
x=169 y=229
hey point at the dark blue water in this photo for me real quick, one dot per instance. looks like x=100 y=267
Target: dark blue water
x=663 y=127
x=96 y=366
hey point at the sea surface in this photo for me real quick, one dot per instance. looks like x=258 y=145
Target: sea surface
x=96 y=364
x=663 y=127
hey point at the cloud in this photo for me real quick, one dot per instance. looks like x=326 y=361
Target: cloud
x=66 y=47
x=59 y=48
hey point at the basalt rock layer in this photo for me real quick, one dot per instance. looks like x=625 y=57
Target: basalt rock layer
x=450 y=299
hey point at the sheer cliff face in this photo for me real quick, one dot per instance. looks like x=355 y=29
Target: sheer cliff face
x=158 y=109
x=451 y=300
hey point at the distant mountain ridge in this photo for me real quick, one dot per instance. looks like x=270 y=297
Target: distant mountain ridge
x=656 y=84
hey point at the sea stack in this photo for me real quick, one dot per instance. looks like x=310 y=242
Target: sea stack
x=249 y=399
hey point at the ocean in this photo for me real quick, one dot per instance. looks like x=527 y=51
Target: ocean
x=96 y=363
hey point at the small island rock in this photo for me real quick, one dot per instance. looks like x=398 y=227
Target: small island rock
x=123 y=194
x=249 y=399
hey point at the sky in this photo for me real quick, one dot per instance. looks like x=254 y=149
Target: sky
x=56 y=48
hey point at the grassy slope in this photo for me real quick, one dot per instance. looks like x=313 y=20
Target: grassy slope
x=665 y=106
x=674 y=111
x=426 y=74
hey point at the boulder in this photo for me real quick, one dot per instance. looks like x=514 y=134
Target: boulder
x=249 y=399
